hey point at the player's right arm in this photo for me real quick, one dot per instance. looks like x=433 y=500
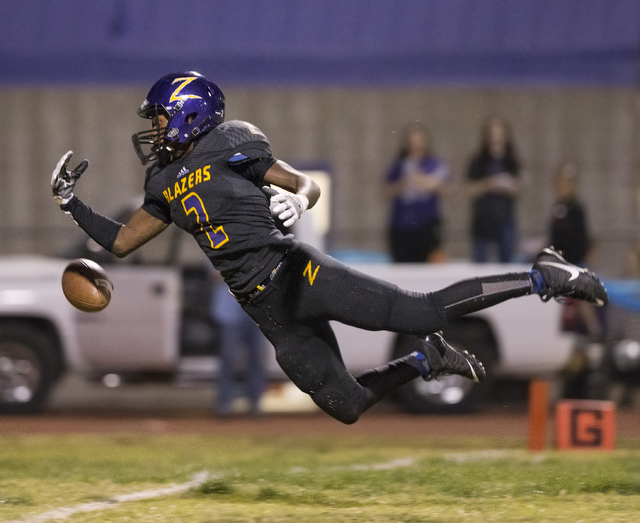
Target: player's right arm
x=120 y=239
x=303 y=192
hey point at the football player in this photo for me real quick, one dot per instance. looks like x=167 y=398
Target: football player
x=220 y=182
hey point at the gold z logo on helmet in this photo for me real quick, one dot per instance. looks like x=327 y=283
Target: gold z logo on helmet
x=185 y=81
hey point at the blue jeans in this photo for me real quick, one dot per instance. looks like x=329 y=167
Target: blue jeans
x=505 y=243
x=243 y=336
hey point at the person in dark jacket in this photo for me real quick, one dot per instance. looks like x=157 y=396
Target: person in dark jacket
x=568 y=233
x=568 y=228
x=493 y=176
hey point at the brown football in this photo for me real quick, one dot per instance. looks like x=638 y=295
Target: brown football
x=86 y=285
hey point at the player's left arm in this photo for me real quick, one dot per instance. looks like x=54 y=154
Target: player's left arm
x=117 y=238
x=304 y=192
x=140 y=228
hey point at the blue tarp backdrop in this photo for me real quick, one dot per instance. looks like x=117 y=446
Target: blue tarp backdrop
x=322 y=42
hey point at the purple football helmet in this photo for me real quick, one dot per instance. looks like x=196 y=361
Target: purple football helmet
x=192 y=105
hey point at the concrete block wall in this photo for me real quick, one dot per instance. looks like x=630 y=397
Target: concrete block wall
x=354 y=132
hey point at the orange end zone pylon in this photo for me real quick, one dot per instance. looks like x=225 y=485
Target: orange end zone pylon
x=538 y=409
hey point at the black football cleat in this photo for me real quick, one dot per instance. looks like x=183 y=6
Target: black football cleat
x=562 y=279
x=443 y=359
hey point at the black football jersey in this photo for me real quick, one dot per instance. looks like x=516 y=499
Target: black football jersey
x=214 y=193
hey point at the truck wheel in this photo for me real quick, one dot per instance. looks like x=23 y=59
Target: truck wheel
x=27 y=368
x=449 y=394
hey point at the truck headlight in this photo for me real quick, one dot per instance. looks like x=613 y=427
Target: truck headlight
x=626 y=355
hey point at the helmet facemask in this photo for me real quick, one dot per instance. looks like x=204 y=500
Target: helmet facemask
x=155 y=143
x=149 y=144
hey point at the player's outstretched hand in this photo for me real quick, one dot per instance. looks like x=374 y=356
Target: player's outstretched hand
x=63 y=181
x=287 y=207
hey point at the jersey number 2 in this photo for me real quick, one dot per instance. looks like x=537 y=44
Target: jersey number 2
x=192 y=203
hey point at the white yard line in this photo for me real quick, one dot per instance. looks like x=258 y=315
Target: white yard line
x=387 y=465
x=65 y=512
x=494 y=455
x=198 y=479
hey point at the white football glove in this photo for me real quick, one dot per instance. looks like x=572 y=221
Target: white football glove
x=63 y=181
x=286 y=206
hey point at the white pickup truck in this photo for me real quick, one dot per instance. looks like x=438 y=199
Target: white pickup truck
x=157 y=327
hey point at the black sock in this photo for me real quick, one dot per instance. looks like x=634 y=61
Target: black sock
x=479 y=293
x=382 y=381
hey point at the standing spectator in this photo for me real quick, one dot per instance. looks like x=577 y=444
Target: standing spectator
x=239 y=335
x=493 y=174
x=568 y=228
x=584 y=376
x=414 y=183
x=568 y=233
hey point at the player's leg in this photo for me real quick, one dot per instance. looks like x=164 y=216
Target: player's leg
x=312 y=288
x=309 y=356
x=314 y=364
x=308 y=352
x=435 y=357
x=327 y=289
x=551 y=276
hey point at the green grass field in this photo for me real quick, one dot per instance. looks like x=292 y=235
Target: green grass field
x=310 y=479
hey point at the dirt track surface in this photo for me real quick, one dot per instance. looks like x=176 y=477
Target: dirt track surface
x=508 y=425
x=82 y=407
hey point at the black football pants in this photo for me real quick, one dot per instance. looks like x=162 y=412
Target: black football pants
x=312 y=288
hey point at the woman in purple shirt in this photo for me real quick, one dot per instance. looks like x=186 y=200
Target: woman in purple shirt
x=414 y=183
